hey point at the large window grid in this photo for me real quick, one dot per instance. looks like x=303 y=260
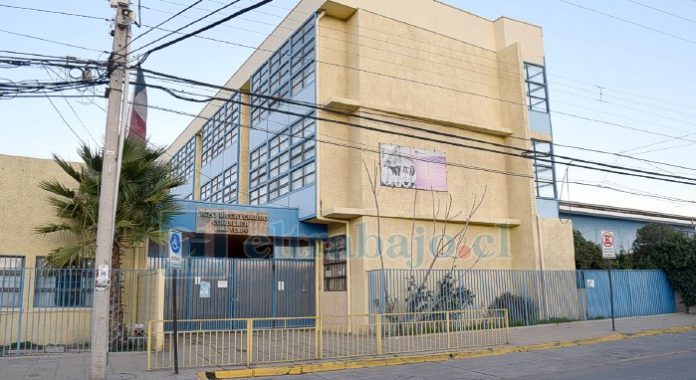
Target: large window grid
x=183 y=160
x=221 y=130
x=289 y=70
x=11 y=275
x=537 y=91
x=284 y=163
x=222 y=188
x=67 y=287
x=544 y=174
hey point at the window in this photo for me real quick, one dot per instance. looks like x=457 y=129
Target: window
x=257 y=177
x=222 y=187
x=544 y=170
x=182 y=161
x=279 y=165
x=302 y=79
x=229 y=186
x=289 y=70
x=70 y=287
x=221 y=130
x=537 y=94
x=278 y=187
x=302 y=153
x=278 y=143
x=258 y=156
x=205 y=191
x=11 y=271
x=257 y=196
x=303 y=129
x=335 y=264
x=303 y=176
x=284 y=163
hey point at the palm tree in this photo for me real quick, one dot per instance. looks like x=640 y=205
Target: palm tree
x=145 y=206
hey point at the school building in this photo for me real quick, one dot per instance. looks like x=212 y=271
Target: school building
x=376 y=122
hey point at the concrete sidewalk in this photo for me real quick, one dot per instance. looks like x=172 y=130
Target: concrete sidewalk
x=132 y=365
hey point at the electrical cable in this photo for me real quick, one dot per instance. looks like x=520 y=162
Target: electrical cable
x=161 y=23
x=630 y=22
x=662 y=11
x=51 y=41
x=392 y=123
x=180 y=29
x=55 y=12
x=493 y=171
x=627 y=171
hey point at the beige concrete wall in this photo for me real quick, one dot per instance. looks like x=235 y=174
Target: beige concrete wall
x=433 y=67
x=26 y=207
x=558 y=252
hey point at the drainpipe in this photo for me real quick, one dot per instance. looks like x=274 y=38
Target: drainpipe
x=318 y=192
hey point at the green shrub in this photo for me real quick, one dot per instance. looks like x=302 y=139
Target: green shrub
x=521 y=310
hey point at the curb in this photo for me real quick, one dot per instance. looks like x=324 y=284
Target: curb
x=297 y=369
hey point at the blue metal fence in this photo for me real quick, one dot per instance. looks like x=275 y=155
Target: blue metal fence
x=241 y=288
x=530 y=296
x=636 y=292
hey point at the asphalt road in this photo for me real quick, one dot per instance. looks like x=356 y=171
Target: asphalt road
x=670 y=356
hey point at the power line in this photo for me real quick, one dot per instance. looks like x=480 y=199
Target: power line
x=163 y=22
x=603 y=94
x=182 y=28
x=453 y=164
x=56 y=12
x=65 y=121
x=663 y=11
x=84 y=126
x=51 y=41
x=363 y=36
x=525 y=154
x=421 y=69
x=661 y=163
x=471 y=93
x=166 y=21
x=634 y=94
x=634 y=109
x=381 y=42
x=630 y=22
x=201 y=30
x=388 y=122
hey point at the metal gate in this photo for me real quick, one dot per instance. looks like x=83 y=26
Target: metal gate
x=635 y=293
x=242 y=288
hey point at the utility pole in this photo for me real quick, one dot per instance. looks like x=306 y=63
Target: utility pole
x=108 y=193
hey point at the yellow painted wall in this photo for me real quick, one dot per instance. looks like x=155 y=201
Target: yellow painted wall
x=26 y=208
x=434 y=67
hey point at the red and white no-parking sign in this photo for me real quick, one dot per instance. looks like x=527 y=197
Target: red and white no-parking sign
x=608 y=245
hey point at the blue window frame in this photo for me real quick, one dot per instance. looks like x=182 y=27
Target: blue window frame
x=537 y=90
x=11 y=276
x=67 y=287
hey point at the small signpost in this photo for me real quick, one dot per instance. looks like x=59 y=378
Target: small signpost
x=608 y=252
x=175 y=260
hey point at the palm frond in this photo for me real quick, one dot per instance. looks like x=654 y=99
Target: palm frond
x=67 y=167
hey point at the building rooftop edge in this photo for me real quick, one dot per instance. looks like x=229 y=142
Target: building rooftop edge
x=615 y=212
x=302 y=7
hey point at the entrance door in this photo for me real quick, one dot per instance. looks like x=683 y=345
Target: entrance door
x=210 y=288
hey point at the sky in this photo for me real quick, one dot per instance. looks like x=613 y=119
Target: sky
x=628 y=71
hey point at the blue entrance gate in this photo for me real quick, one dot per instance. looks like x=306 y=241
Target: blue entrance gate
x=210 y=288
x=636 y=292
